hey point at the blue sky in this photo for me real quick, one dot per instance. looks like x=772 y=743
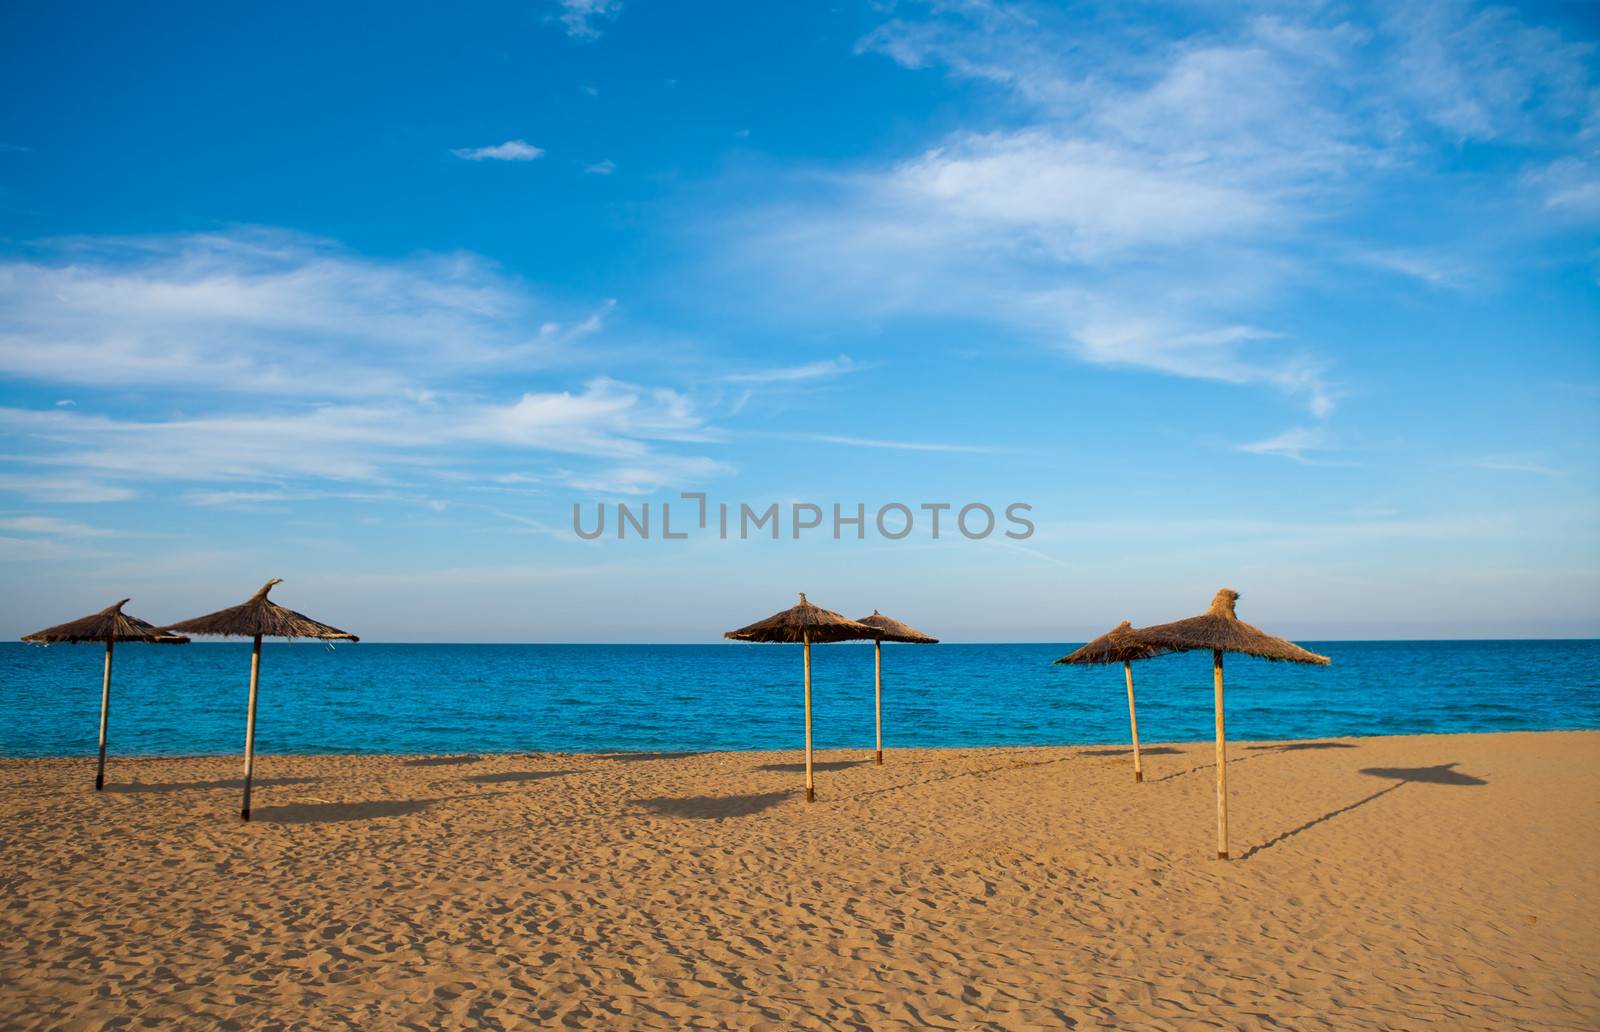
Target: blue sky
x=1298 y=299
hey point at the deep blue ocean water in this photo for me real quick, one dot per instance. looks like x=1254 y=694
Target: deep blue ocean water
x=367 y=698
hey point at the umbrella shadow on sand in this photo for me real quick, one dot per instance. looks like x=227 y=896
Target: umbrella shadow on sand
x=516 y=776
x=259 y=617
x=713 y=807
x=976 y=772
x=640 y=757
x=197 y=786
x=1154 y=750
x=806 y=624
x=1259 y=751
x=1441 y=774
x=441 y=761
x=330 y=813
x=799 y=768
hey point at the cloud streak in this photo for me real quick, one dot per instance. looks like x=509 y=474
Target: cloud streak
x=1296 y=444
x=1159 y=200
x=1516 y=464
x=919 y=446
x=282 y=361
x=582 y=19
x=267 y=312
x=52 y=525
x=511 y=150
x=821 y=370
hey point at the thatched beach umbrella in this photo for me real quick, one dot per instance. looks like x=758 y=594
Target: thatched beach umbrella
x=804 y=624
x=110 y=625
x=1219 y=630
x=1120 y=645
x=889 y=629
x=258 y=618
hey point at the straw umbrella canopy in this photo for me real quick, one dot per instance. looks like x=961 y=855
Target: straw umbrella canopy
x=1120 y=645
x=804 y=624
x=1220 y=630
x=889 y=629
x=256 y=618
x=110 y=625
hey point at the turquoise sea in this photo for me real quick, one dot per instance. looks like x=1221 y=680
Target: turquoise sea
x=367 y=698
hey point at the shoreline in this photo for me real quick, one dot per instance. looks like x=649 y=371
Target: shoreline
x=1390 y=881
x=113 y=756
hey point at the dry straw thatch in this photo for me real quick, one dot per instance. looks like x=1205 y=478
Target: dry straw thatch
x=887 y=628
x=111 y=624
x=1220 y=629
x=1121 y=644
x=805 y=622
x=260 y=617
x=890 y=629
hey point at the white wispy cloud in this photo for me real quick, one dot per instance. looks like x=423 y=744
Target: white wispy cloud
x=372 y=443
x=53 y=526
x=797 y=373
x=268 y=312
x=607 y=418
x=53 y=488
x=920 y=446
x=649 y=475
x=582 y=19
x=1156 y=201
x=248 y=499
x=270 y=497
x=1113 y=335
x=601 y=168
x=282 y=361
x=36 y=537
x=40 y=549
x=511 y=150
x=1297 y=443
x=1570 y=186
x=1484 y=73
x=1074 y=198
x=1435 y=268
x=1081 y=229
x=1516 y=464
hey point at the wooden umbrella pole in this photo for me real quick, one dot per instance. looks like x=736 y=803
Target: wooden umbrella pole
x=811 y=792
x=250 y=726
x=877 y=694
x=1133 y=722
x=1222 y=759
x=105 y=714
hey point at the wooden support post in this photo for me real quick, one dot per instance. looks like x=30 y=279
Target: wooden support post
x=877 y=695
x=1222 y=758
x=105 y=715
x=811 y=792
x=250 y=726
x=1133 y=722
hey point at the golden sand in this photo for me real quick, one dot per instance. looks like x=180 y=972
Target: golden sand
x=1437 y=881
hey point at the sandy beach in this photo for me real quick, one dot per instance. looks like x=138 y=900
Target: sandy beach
x=1444 y=881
